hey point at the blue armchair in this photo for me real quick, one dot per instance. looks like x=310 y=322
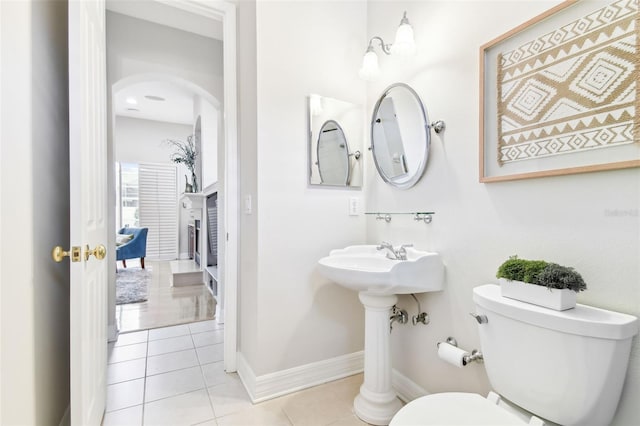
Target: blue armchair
x=136 y=247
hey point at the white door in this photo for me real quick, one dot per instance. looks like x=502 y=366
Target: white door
x=88 y=227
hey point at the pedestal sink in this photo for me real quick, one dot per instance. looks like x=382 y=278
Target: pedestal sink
x=379 y=280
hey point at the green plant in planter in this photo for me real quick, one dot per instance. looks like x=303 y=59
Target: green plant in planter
x=558 y=276
x=539 y=272
x=532 y=269
x=512 y=269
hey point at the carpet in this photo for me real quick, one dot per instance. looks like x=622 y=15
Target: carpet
x=131 y=285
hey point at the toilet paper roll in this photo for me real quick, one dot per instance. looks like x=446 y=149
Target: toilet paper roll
x=452 y=354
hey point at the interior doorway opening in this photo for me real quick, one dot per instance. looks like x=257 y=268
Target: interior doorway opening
x=217 y=22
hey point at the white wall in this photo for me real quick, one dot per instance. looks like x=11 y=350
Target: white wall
x=141 y=141
x=300 y=317
x=209 y=117
x=2 y=138
x=248 y=182
x=34 y=213
x=477 y=226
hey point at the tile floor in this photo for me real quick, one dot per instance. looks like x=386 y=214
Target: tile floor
x=175 y=376
x=166 y=305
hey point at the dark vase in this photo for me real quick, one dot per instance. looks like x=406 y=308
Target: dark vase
x=194 y=182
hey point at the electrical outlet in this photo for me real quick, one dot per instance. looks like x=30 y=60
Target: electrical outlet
x=353 y=206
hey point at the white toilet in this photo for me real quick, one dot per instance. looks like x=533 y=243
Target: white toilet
x=566 y=367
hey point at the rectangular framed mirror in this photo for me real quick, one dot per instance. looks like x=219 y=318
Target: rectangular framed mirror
x=335 y=142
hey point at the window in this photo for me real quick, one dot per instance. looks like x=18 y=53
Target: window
x=127 y=213
x=146 y=197
x=159 y=209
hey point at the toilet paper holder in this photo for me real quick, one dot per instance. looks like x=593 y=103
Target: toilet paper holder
x=475 y=356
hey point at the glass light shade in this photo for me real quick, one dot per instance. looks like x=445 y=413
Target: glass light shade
x=370 y=69
x=404 y=45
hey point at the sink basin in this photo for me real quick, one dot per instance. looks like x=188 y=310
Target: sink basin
x=364 y=268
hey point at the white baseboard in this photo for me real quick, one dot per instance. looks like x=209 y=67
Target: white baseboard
x=272 y=385
x=247 y=376
x=268 y=386
x=407 y=389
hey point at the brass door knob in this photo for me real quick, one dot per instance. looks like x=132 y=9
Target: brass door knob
x=58 y=254
x=100 y=252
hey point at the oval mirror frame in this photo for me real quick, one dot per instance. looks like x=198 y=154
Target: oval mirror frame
x=345 y=165
x=411 y=169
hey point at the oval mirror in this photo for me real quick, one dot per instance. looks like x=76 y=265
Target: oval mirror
x=333 y=154
x=400 y=136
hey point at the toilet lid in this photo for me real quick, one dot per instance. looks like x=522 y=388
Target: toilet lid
x=453 y=408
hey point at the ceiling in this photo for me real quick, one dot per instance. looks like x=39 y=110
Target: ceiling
x=177 y=106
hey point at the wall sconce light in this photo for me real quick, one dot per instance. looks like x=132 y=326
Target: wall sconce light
x=404 y=45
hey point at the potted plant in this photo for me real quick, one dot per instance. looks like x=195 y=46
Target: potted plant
x=185 y=153
x=540 y=282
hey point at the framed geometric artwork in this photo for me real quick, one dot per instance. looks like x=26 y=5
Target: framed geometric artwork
x=560 y=94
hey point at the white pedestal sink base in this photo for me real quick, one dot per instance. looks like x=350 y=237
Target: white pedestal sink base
x=377 y=402
x=376 y=413
x=378 y=279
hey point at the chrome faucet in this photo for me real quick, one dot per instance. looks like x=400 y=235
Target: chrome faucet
x=401 y=253
x=393 y=254
x=385 y=245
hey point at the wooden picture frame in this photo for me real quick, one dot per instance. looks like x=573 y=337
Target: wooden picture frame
x=559 y=94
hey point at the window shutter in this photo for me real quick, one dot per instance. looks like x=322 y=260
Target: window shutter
x=159 y=209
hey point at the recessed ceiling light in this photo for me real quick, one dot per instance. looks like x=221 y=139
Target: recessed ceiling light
x=133 y=109
x=131 y=100
x=155 y=98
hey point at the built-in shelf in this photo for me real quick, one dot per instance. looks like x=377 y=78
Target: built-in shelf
x=217 y=291
x=425 y=217
x=213 y=271
x=200 y=214
x=212 y=281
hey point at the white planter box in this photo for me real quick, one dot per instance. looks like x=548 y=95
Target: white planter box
x=559 y=300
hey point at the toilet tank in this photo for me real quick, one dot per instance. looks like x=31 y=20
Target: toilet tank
x=564 y=366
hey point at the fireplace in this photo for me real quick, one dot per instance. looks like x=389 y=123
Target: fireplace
x=191 y=229
x=196 y=242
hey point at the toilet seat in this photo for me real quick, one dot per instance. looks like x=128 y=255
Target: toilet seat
x=454 y=408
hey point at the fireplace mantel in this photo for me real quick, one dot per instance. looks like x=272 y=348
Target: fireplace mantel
x=192 y=200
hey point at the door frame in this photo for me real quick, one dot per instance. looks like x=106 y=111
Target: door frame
x=225 y=12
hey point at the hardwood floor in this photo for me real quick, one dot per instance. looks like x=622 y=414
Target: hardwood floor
x=166 y=305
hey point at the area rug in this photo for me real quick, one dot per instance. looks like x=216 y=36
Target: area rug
x=131 y=285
